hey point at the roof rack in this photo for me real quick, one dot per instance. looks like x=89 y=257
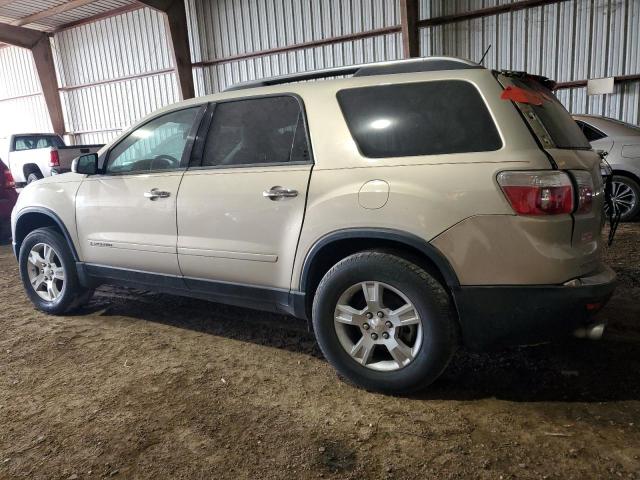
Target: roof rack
x=427 y=64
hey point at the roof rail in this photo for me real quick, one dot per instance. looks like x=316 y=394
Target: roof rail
x=413 y=65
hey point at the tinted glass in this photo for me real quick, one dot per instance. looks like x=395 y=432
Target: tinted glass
x=591 y=133
x=30 y=142
x=556 y=120
x=256 y=131
x=428 y=118
x=157 y=145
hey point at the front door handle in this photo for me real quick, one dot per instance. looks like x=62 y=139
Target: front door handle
x=279 y=193
x=154 y=194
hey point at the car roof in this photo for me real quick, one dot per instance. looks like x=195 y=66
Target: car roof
x=412 y=65
x=297 y=82
x=609 y=126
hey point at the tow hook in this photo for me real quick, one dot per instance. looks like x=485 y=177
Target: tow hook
x=592 y=332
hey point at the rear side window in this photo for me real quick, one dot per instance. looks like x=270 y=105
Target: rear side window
x=427 y=118
x=257 y=131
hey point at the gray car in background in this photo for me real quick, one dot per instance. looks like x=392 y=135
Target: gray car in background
x=621 y=141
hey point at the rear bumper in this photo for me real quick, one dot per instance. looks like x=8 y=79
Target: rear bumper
x=493 y=316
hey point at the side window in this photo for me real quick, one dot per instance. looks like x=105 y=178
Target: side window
x=256 y=131
x=426 y=118
x=156 y=145
x=591 y=133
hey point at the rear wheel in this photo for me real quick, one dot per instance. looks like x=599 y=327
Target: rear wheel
x=49 y=274
x=625 y=196
x=384 y=323
x=33 y=177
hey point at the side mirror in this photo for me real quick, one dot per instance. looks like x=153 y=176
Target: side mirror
x=85 y=164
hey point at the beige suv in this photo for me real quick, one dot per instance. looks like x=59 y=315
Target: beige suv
x=403 y=209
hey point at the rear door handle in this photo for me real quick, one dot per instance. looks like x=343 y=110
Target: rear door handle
x=279 y=193
x=154 y=194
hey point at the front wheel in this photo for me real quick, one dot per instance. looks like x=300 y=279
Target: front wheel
x=48 y=273
x=384 y=323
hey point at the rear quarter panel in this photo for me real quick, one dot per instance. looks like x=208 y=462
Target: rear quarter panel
x=427 y=194
x=36 y=156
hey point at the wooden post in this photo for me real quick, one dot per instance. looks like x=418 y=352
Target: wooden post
x=179 y=40
x=40 y=47
x=409 y=25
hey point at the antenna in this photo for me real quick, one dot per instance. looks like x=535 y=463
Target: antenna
x=485 y=54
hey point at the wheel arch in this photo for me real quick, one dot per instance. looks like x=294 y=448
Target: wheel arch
x=28 y=168
x=32 y=218
x=626 y=173
x=333 y=247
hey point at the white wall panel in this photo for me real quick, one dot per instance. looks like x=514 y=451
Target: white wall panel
x=22 y=107
x=570 y=40
x=227 y=28
x=94 y=63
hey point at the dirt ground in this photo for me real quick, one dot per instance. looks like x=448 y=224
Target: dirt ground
x=141 y=385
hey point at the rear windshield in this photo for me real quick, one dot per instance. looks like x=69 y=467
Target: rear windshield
x=426 y=118
x=30 y=142
x=562 y=128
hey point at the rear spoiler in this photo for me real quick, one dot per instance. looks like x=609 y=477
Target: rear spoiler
x=544 y=81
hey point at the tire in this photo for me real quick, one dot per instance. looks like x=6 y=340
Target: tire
x=404 y=284
x=626 y=196
x=66 y=293
x=33 y=177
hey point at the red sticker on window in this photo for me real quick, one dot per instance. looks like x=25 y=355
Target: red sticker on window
x=521 y=95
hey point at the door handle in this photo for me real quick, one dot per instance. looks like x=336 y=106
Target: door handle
x=278 y=193
x=154 y=194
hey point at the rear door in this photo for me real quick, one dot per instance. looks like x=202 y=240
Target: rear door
x=241 y=204
x=126 y=216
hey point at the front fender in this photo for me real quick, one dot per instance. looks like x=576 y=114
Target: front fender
x=52 y=198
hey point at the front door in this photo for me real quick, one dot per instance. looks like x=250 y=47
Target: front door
x=240 y=208
x=126 y=216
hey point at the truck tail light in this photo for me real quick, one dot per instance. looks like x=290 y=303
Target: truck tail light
x=9 y=183
x=585 y=193
x=54 y=160
x=542 y=192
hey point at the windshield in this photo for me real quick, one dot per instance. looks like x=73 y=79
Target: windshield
x=530 y=96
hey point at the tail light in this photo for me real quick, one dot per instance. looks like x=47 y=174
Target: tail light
x=54 y=160
x=586 y=190
x=544 y=192
x=9 y=183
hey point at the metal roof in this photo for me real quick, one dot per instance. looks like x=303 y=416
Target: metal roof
x=50 y=15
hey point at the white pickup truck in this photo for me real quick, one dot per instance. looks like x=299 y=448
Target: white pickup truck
x=33 y=156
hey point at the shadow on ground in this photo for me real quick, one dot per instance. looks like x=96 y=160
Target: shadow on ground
x=568 y=371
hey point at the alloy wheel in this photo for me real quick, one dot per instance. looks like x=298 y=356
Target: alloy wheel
x=378 y=326
x=46 y=273
x=623 y=198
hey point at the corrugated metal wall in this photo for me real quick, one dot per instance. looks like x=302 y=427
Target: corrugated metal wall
x=22 y=106
x=566 y=41
x=112 y=72
x=116 y=70
x=228 y=28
